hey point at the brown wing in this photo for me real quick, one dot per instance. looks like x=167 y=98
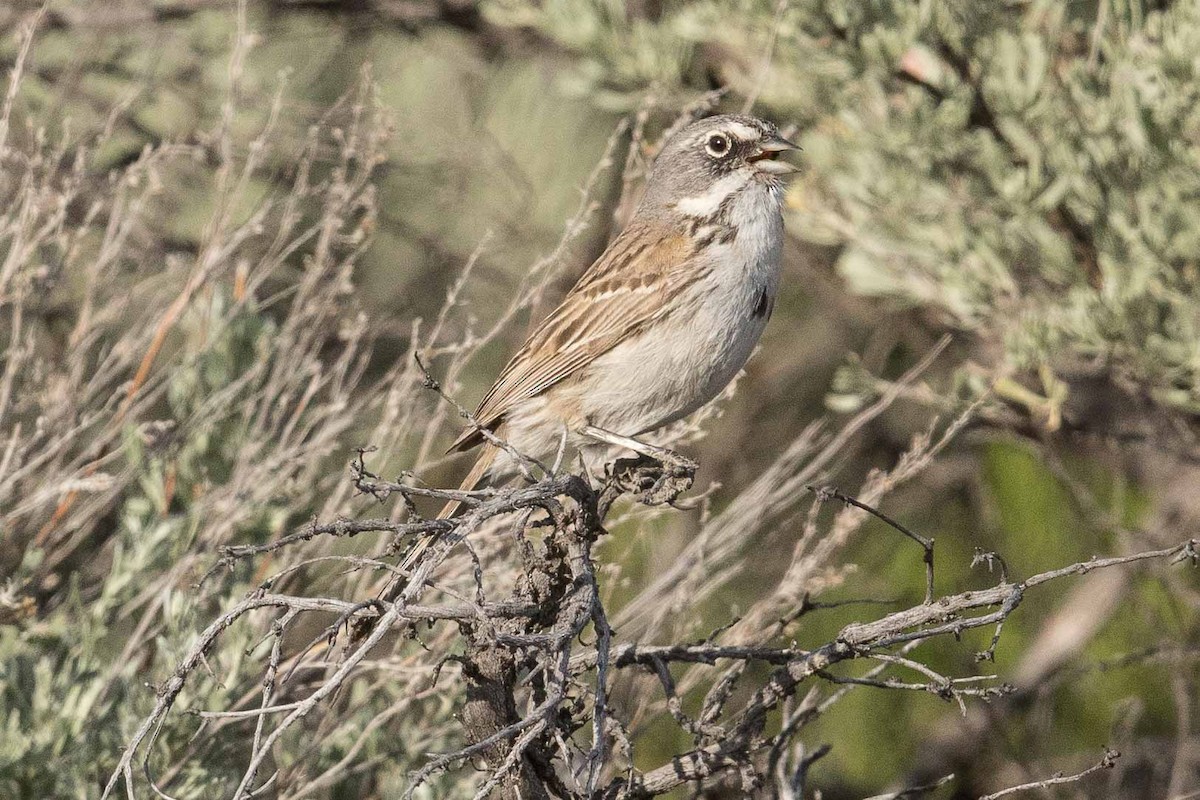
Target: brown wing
x=626 y=288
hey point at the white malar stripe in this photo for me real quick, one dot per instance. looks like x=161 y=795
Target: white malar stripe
x=706 y=204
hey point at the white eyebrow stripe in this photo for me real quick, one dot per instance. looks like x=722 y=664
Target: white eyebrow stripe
x=743 y=132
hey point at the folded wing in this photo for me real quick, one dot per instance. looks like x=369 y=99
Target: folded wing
x=627 y=288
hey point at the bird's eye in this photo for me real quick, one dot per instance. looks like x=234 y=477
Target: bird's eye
x=718 y=145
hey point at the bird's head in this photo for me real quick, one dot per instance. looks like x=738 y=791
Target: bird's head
x=712 y=158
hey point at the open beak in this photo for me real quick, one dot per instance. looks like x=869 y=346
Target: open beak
x=765 y=157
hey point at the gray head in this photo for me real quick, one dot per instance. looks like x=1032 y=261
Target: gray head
x=717 y=155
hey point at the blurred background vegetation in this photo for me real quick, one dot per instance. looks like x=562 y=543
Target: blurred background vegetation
x=304 y=183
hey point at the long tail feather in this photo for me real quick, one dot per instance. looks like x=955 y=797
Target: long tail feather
x=474 y=477
x=397 y=584
x=482 y=464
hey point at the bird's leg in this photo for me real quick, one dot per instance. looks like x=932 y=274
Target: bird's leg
x=585 y=471
x=667 y=457
x=674 y=475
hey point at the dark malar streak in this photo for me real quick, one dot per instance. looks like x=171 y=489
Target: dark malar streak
x=765 y=305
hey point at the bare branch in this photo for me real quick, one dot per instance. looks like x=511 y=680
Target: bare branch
x=832 y=492
x=1058 y=779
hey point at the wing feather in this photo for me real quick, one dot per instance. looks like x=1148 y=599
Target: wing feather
x=625 y=289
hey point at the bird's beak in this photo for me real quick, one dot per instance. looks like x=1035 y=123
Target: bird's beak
x=766 y=154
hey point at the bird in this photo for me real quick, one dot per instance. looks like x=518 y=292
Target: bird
x=661 y=322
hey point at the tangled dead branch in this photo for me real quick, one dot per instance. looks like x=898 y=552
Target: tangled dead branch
x=539 y=660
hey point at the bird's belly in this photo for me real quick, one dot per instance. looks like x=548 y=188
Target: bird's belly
x=679 y=365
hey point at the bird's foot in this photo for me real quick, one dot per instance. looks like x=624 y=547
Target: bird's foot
x=657 y=476
x=654 y=480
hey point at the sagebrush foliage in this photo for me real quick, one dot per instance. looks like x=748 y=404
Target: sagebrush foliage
x=162 y=396
x=1029 y=172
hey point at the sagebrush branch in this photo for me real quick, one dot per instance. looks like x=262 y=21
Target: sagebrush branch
x=1107 y=762
x=532 y=686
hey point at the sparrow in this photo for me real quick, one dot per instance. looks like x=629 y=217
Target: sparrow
x=663 y=319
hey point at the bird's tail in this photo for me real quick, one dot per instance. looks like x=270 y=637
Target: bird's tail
x=474 y=477
x=398 y=583
x=395 y=585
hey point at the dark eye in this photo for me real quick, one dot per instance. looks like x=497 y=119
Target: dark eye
x=718 y=145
